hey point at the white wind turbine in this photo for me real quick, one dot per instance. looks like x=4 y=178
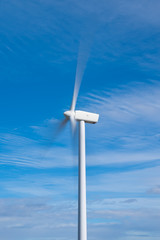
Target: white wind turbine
x=82 y=117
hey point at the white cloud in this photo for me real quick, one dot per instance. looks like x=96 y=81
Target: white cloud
x=127 y=104
x=37 y=156
x=118 y=28
x=41 y=218
x=36 y=219
x=129 y=124
x=154 y=190
x=18 y=150
x=132 y=184
x=129 y=117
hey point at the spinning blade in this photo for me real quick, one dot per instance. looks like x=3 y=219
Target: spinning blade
x=75 y=93
x=61 y=126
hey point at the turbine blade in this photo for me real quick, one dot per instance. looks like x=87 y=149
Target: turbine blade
x=83 y=55
x=52 y=136
x=75 y=93
x=74 y=135
x=61 y=126
x=73 y=124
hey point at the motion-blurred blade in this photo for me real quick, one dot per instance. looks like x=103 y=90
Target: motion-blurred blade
x=53 y=135
x=83 y=55
x=73 y=125
x=75 y=93
x=61 y=126
x=74 y=135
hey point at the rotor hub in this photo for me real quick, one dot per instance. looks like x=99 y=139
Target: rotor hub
x=69 y=114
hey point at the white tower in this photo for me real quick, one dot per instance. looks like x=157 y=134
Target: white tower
x=82 y=117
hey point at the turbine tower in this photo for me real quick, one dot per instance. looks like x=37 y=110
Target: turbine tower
x=82 y=117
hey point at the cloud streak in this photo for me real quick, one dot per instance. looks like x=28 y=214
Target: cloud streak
x=38 y=218
x=129 y=116
x=129 y=123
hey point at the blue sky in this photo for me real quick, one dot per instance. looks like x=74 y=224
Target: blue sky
x=116 y=47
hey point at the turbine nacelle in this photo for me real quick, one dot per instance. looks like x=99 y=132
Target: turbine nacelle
x=82 y=116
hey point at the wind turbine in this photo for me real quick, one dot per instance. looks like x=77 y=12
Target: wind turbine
x=82 y=117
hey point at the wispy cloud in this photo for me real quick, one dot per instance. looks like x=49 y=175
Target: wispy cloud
x=129 y=116
x=154 y=190
x=37 y=156
x=114 y=29
x=129 y=123
x=130 y=103
x=20 y=217
x=41 y=218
